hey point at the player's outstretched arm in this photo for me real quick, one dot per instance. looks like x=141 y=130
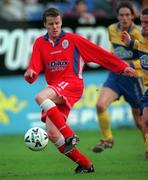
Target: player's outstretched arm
x=30 y=75
x=129 y=71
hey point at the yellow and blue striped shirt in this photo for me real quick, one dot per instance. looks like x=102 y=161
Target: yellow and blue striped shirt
x=142 y=46
x=123 y=51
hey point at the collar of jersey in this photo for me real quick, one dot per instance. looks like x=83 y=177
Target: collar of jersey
x=46 y=37
x=129 y=29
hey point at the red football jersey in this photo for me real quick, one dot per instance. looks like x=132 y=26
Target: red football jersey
x=62 y=62
x=64 y=59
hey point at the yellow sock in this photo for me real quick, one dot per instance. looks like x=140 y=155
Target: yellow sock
x=104 y=122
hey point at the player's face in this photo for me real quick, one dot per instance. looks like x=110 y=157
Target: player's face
x=53 y=26
x=144 y=24
x=125 y=18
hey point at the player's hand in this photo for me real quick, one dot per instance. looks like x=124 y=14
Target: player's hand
x=129 y=71
x=125 y=37
x=30 y=75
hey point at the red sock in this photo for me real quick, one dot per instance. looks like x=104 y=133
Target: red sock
x=58 y=120
x=76 y=156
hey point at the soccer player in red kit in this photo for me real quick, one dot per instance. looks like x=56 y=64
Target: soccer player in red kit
x=62 y=56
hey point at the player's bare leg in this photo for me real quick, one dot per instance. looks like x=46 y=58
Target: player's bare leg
x=106 y=97
x=138 y=120
x=145 y=129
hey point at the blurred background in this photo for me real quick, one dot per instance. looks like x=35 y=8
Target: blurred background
x=20 y=24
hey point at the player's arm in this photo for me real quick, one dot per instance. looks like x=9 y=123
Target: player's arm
x=35 y=64
x=91 y=52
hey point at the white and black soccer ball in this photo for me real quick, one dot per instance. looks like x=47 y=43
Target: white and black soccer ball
x=36 y=139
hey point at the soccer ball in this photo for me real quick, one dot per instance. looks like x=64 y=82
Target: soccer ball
x=36 y=139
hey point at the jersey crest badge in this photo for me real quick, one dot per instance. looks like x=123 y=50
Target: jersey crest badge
x=65 y=44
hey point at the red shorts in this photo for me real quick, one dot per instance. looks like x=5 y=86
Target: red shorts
x=71 y=93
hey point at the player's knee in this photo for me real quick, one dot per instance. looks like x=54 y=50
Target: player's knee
x=39 y=99
x=139 y=125
x=44 y=103
x=100 y=107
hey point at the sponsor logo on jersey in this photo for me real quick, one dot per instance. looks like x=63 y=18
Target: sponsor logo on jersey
x=144 y=61
x=123 y=53
x=57 y=65
x=65 y=44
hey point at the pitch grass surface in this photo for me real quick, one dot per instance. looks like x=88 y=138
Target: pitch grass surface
x=124 y=162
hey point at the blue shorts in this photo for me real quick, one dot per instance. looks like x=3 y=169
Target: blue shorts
x=131 y=88
x=144 y=100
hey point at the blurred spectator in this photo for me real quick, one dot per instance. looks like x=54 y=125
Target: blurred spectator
x=12 y=10
x=83 y=10
x=63 y=6
x=90 y=5
x=105 y=8
x=80 y=11
x=33 y=10
x=137 y=4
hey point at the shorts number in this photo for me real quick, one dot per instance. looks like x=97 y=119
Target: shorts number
x=62 y=85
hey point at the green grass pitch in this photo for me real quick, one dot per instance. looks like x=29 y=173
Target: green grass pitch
x=125 y=161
